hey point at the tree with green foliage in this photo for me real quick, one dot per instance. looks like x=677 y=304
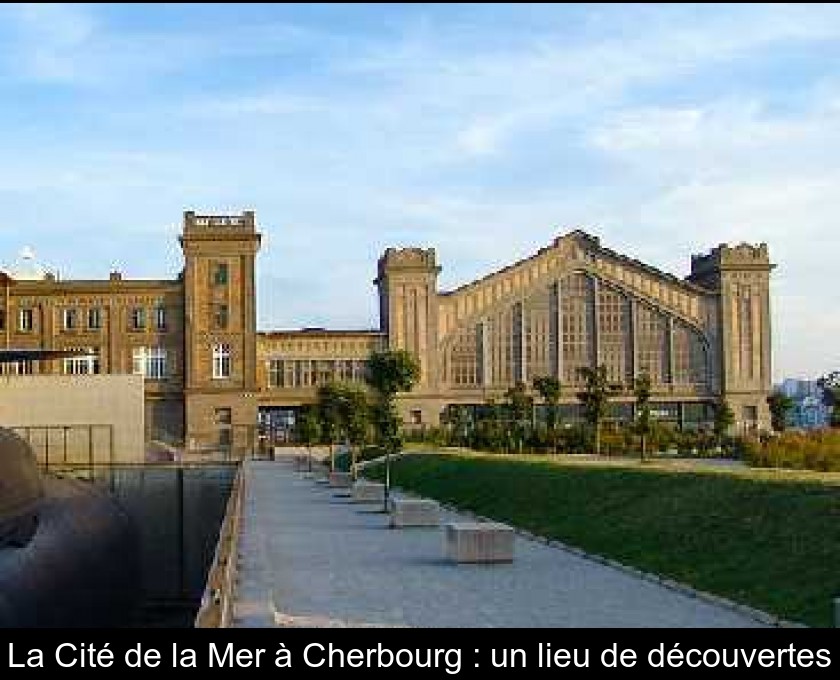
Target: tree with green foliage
x=642 y=392
x=329 y=416
x=521 y=410
x=390 y=372
x=491 y=426
x=343 y=415
x=780 y=405
x=308 y=430
x=548 y=387
x=724 y=418
x=355 y=416
x=594 y=397
x=462 y=425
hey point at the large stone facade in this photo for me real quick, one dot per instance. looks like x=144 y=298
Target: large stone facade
x=574 y=304
x=211 y=377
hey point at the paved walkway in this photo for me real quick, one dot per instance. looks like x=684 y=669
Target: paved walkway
x=309 y=557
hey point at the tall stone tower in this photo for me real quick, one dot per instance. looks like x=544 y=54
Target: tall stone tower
x=220 y=330
x=407 y=283
x=741 y=277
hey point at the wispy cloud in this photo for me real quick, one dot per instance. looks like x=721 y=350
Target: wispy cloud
x=481 y=130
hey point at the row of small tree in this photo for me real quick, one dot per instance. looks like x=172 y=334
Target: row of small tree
x=594 y=397
x=347 y=413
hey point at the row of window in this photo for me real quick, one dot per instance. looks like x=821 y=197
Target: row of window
x=151 y=362
x=285 y=373
x=72 y=319
x=588 y=333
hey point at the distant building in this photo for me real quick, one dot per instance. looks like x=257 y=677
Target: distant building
x=809 y=409
x=211 y=379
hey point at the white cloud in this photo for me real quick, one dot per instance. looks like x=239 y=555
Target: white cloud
x=480 y=138
x=484 y=140
x=648 y=128
x=734 y=171
x=49 y=38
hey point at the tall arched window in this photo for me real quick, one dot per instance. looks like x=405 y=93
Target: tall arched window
x=221 y=361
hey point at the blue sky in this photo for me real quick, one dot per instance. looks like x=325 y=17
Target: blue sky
x=483 y=131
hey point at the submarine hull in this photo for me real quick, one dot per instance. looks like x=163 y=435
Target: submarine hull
x=80 y=567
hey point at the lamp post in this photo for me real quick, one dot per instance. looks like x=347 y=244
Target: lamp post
x=387 y=493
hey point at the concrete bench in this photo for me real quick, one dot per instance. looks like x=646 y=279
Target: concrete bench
x=341 y=480
x=368 y=492
x=414 y=512
x=320 y=473
x=483 y=542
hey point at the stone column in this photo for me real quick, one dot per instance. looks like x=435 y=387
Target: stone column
x=634 y=337
x=517 y=340
x=112 y=325
x=7 y=311
x=669 y=340
x=556 y=306
x=596 y=340
x=484 y=357
x=757 y=339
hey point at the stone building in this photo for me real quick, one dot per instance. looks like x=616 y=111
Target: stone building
x=211 y=377
x=193 y=337
x=574 y=304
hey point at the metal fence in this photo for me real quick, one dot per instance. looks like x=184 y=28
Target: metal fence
x=61 y=446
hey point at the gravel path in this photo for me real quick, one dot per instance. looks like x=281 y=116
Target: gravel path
x=309 y=557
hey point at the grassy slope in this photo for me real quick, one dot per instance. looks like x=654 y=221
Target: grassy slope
x=770 y=543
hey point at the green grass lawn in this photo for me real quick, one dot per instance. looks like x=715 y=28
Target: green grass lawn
x=770 y=541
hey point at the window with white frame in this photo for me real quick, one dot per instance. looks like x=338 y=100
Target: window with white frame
x=69 y=319
x=94 y=318
x=138 y=319
x=87 y=364
x=221 y=361
x=160 y=318
x=25 y=319
x=25 y=367
x=150 y=362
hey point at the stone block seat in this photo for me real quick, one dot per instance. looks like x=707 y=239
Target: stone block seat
x=320 y=473
x=478 y=542
x=368 y=492
x=414 y=512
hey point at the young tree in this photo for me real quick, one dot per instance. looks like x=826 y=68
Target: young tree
x=594 y=397
x=642 y=392
x=355 y=418
x=462 y=425
x=329 y=416
x=548 y=387
x=344 y=416
x=390 y=372
x=308 y=430
x=780 y=404
x=521 y=406
x=724 y=418
x=493 y=425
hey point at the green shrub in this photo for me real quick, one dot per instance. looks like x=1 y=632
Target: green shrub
x=815 y=450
